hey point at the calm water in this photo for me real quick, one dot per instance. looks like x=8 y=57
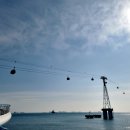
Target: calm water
x=67 y=121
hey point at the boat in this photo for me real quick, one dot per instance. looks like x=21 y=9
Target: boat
x=91 y=116
x=5 y=115
x=52 y=111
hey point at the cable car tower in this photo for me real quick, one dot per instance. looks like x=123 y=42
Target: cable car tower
x=107 y=110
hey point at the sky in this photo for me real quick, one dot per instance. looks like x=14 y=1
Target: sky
x=49 y=40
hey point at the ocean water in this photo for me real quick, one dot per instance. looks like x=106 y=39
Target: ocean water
x=67 y=121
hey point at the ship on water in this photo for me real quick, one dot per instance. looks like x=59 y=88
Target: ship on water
x=53 y=112
x=5 y=115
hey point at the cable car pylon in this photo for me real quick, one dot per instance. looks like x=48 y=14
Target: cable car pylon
x=107 y=110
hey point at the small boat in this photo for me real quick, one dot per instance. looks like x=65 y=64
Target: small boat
x=52 y=111
x=91 y=116
x=5 y=114
x=97 y=116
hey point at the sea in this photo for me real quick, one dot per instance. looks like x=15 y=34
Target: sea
x=66 y=121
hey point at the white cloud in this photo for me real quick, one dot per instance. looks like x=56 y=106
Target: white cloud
x=62 y=25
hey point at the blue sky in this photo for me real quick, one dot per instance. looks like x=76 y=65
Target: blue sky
x=80 y=39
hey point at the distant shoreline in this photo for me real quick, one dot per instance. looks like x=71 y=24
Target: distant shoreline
x=63 y=112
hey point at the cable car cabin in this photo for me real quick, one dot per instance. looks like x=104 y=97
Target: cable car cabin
x=13 y=71
x=92 y=79
x=68 y=78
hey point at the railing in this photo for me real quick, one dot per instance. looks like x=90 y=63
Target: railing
x=4 y=108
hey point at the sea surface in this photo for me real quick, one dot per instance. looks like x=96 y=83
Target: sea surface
x=66 y=121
